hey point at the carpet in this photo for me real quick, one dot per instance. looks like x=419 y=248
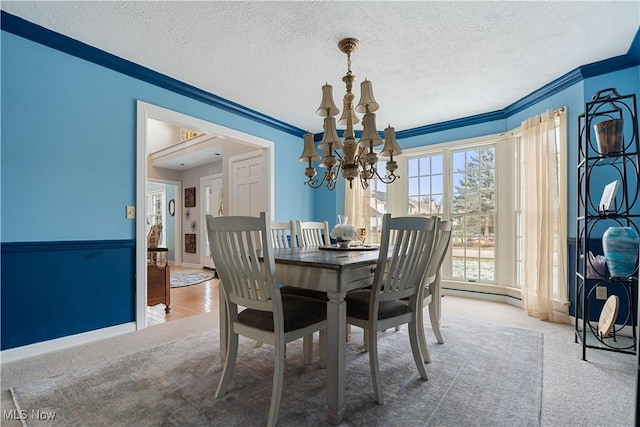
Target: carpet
x=484 y=375
x=179 y=280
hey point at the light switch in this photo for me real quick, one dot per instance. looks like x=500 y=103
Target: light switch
x=131 y=212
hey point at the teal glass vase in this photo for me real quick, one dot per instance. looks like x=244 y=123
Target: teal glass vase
x=620 y=245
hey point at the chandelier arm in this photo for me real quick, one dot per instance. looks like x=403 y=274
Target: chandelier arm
x=313 y=183
x=329 y=178
x=364 y=182
x=388 y=179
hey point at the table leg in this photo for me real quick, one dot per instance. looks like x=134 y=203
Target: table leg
x=336 y=335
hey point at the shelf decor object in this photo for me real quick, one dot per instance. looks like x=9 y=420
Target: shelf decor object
x=609 y=136
x=620 y=245
x=357 y=160
x=607 y=221
x=596 y=267
x=608 y=196
x=608 y=316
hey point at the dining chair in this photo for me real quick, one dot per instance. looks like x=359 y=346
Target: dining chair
x=283 y=234
x=431 y=289
x=385 y=304
x=312 y=233
x=269 y=317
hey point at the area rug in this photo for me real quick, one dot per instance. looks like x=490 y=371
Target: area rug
x=484 y=375
x=179 y=280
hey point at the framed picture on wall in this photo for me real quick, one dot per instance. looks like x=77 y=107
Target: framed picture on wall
x=190 y=243
x=190 y=197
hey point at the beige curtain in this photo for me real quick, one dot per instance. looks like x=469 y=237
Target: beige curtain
x=357 y=206
x=544 y=216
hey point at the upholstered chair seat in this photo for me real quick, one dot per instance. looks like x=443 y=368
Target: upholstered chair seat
x=358 y=306
x=298 y=313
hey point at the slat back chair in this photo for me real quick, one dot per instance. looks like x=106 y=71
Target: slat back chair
x=269 y=317
x=309 y=234
x=312 y=233
x=431 y=289
x=393 y=298
x=283 y=234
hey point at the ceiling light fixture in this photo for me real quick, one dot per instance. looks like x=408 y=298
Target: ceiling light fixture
x=358 y=159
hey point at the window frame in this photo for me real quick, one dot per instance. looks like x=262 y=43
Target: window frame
x=504 y=286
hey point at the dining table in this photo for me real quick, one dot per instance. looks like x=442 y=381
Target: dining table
x=335 y=271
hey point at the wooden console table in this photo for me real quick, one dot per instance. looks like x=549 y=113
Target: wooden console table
x=159 y=281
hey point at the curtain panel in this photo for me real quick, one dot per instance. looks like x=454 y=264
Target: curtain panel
x=544 y=216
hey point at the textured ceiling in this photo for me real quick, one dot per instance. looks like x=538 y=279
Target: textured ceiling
x=428 y=61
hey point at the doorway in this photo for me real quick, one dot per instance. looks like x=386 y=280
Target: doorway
x=233 y=140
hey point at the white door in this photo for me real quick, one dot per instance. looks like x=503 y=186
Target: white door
x=248 y=185
x=211 y=201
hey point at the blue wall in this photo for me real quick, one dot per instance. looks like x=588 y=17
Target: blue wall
x=54 y=289
x=69 y=146
x=69 y=159
x=68 y=171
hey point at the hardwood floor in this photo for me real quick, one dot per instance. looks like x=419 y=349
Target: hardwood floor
x=187 y=300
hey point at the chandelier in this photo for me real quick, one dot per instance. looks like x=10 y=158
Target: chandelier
x=354 y=159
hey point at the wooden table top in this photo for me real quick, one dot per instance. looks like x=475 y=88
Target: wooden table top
x=322 y=258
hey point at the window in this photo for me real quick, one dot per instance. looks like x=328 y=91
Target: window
x=425 y=177
x=470 y=203
x=475 y=184
x=471 y=183
x=473 y=207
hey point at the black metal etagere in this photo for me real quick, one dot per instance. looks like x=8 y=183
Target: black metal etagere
x=597 y=165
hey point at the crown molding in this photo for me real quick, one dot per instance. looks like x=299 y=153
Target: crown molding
x=36 y=33
x=634 y=49
x=452 y=124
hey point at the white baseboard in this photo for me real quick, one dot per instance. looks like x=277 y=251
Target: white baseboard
x=190 y=265
x=483 y=296
x=625 y=331
x=30 y=350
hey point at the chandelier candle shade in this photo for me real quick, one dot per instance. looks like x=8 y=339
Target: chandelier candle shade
x=354 y=159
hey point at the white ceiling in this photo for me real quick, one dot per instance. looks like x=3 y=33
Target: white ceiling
x=201 y=150
x=428 y=61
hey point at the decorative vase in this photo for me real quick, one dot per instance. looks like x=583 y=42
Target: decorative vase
x=343 y=243
x=609 y=136
x=620 y=246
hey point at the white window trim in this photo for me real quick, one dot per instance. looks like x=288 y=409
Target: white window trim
x=505 y=214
